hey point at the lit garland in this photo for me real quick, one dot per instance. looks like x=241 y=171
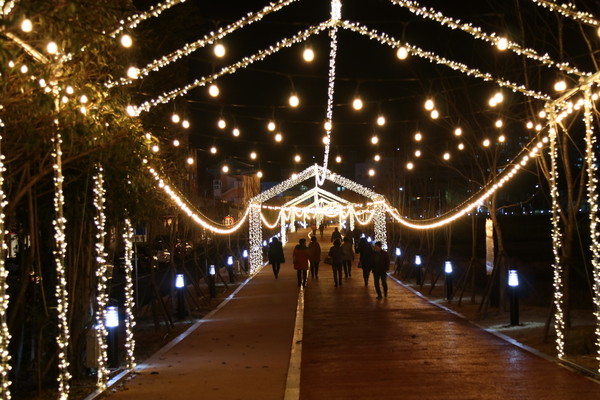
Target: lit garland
x=379 y=225
x=366 y=220
x=4 y=299
x=569 y=10
x=280 y=216
x=62 y=296
x=154 y=11
x=255 y=238
x=386 y=39
x=6 y=7
x=129 y=296
x=476 y=32
x=189 y=48
x=262 y=54
x=101 y=276
x=336 y=14
x=592 y=177
x=352 y=216
x=559 y=317
x=282 y=230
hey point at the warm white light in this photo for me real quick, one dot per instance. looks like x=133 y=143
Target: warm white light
x=499 y=123
x=259 y=174
x=326 y=140
x=429 y=105
x=374 y=139
x=225 y=169
x=126 y=41
x=418 y=136
x=377 y=157
x=417 y=153
x=402 y=53
x=502 y=44
x=461 y=146
x=410 y=165
x=190 y=160
x=297 y=158
x=308 y=55
x=222 y=124
x=278 y=137
x=219 y=50
x=371 y=172
x=502 y=139
x=176 y=143
x=185 y=123
x=24 y=69
x=148 y=136
x=52 y=48
x=213 y=90
x=457 y=132
x=253 y=155
x=26 y=25
x=130 y=111
x=435 y=114
x=294 y=100
x=381 y=120
x=83 y=99
x=155 y=148
x=499 y=97
x=175 y=118
x=271 y=126
x=213 y=150
x=446 y=156
x=327 y=125
x=486 y=143
x=357 y=104
x=236 y=132
x=70 y=90
x=492 y=102
x=338 y=159
x=133 y=72
x=529 y=125
x=542 y=114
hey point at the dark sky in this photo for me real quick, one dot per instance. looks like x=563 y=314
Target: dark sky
x=397 y=89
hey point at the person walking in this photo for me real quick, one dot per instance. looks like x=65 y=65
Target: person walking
x=365 y=259
x=300 y=256
x=321 y=229
x=337 y=257
x=314 y=256
x=336 y=235
x=348 y=250
x=381 y=263
x=276 y=257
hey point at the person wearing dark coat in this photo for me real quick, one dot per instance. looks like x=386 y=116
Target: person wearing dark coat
x=336 y=235
x=301 y=261
x=365 y=252
x=337 y=258
x=276 y=257
x=314 y=256
x=381 y=263
x=348 y=250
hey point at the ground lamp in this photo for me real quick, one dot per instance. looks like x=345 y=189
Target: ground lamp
x=398 y=259
x=211 y=281
x=448 y=271
x=513 y=294
x=230 y=269
x=112 y=326
x=180 y=286
x=419 y=272
x=245 y=256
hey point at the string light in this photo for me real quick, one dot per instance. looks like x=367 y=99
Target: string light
x=569 y=10
x=26 y=25
x=154 y=11
x=128 y=235
x=294 y=100
x=357 y=104
x=271 y=126
x=4 y=299
x=221 y=123
x=213 y=90
x=126 y=41
x=380 y=120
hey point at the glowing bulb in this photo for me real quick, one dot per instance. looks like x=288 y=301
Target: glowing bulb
x=457 y=132
x=501 y=138
x=499 y=123
x=52 y=48
x=410 y=165
x=338 y=159
x=357 y=104
x=486 y=143
x=26 y=25
x=148 y=136
x=175 y=118
x=502 y=44
x=499 y=97
x=371 y=172
x=377 y=158
x=297 y=158
x=278 y=137
x=374 y=139
x=418 y=136
x=308 y=55
x=253 y=155
x=271 y=126
x=326 y=140
x=176 y=143
x=435 y=114
x=402 y=53
x=83 y=99
x=294 y=100
x=461 y=146
x=327 y=125
x=492 y=102
x=429 y=105
x=133 y=72
x=130 y=111
x=294 y=175
x=259 y=174
x=70 y=90
x=417 y=153
x=213 y=150
x=529 y=125
x=126 y=41
x=446 y=156
x=542 y=114
x=221 y=124
x=225 y=169
x=236 y=132
x=381 y=120
x=213 y=90
x=155 y=148
x=219 y=50
x=185 y=123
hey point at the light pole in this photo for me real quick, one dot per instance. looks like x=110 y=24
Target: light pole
x=180 y=287
x=211 y=281
x=513 y=293
x=448 y=271
x=419 y=272
x=112 y=326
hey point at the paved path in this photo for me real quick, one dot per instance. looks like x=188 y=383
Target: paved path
x=353 y=347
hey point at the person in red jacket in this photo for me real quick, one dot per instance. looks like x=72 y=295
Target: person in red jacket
x=300 y=256
x=314 y=256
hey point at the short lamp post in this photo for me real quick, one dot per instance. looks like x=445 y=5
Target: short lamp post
x=112 y=326
x=211 y=281
x=419 y=271
x=513 y=293
x=448 y=271
x=180 y=287
x=398 y=259
x=246 y=260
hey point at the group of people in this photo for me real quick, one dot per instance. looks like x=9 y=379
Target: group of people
x=372 y=259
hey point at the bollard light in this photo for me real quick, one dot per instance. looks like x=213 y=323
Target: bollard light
x=211 y=270
x=417 y=260
x=398 y=252
x=513 y=278
x=179 y=281
x=112 y=317
x=369 y=239
x=513 y=293
x=245 y=254
x=448 y=267
x=264 y=243
x=230 y=260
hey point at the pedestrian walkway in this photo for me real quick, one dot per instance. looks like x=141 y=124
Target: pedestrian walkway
x=353 y=346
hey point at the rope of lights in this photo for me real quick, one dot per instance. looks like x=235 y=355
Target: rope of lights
x=4 y=299
x=101 y=278
x=6 y=7
x=351 y=215
x=569 y=10
x=129 y=296
x=255 y=238
x=62 y=295
x=379 y=225
x=432 y=57
x=557 y=269
x=154 y=11
x=189 y=48
x=370 y=214
x=243 y=63
x=477 y=33
x=336 y=14
x=280 y=217
x=592 y=185
x=282 y=230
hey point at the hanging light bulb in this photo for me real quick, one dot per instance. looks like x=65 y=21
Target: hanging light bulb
x=52 y=48
x=357 y=104
x=402 y=53
x=502 y=44
x=327 y=125
x=133 y=72
x=294 y=100
x=185 y=123
x=326 y=140
x=418 y=136
x=377 y=158
x=26 y=25
x=225 y=168
x=297 y=158
x=486 y=143
x=429 y=104
x=176 y=143
x=499 y=123
x=219 y=50
x=560 y=86
x=253 y=155
x=278 y=137
x=435 y=114
x=458 y=132
x=259 y=174
x=222 y=124
x=417 y=153
x=501 y=138
x=83 y=99
x=155 y=148
x=410 y=165
x=499 y=97
x=236 y=132
x=374 y=139
x=338 y=159
x=213 y=150
x=190 y=160
x=381 y=120
x=371 y=172
x=308 y=55
x=213 y=90
x=175 y=118
x=461 y=146
x=446 y=156
x=271 y=126
x=126 y=41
